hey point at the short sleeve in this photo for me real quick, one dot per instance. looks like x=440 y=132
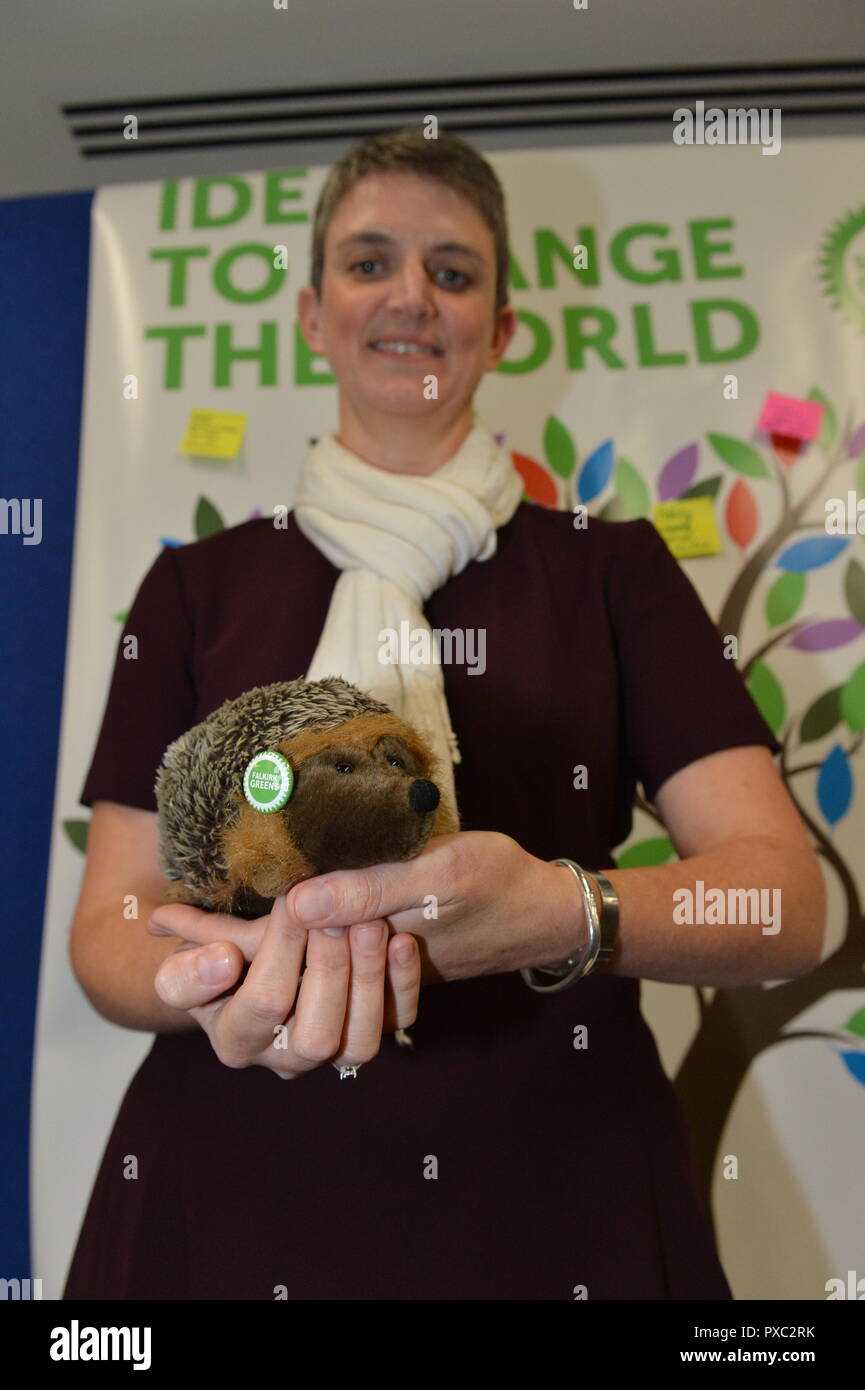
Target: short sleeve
x=151 y=699
x=682 y=699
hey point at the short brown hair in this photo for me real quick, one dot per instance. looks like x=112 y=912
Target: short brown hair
x=448 y=158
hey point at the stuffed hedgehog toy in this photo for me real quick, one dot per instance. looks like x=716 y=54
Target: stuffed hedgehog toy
x=287 y=781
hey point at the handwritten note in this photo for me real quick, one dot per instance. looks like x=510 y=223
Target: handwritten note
x=214 y=434
x=688 y=526
x=790 y=416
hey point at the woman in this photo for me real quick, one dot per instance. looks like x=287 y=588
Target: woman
x=529 y=1145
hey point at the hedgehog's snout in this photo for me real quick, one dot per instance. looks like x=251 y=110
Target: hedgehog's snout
x=423 y=796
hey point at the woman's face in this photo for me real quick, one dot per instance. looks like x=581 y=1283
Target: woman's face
x=407 y=259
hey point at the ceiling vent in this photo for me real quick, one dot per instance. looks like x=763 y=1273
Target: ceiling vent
x=223 y=119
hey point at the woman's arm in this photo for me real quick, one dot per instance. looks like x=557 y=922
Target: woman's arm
x=113 y=957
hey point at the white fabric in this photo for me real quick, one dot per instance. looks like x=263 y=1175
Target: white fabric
x=398 y=538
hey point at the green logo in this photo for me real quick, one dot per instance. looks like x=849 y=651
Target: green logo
x=842 y=267
x=268 y=781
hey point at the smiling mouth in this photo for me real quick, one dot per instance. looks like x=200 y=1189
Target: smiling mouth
x=404 y=348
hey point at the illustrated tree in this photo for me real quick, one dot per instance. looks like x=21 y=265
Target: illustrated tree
x=738 y=1025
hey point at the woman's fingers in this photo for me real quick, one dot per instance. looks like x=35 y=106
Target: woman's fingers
x=193 y=976
x=194 y=924
x=403 y=981
x=251 y=1021
x=315 y=1031
x=361 y=1035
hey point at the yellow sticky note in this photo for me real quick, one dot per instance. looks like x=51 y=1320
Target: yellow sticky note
x=688 y=526
x=215 y=434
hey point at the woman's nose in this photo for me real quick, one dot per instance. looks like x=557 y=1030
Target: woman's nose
x=423 y=796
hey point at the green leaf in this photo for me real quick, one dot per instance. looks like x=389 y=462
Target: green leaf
x=559 y=447
x=121 y=618
x=631 y=487
x=77 y=832
x=647 y=852
x=856 y=1023
x=707 y=488
x=820 y=719
x=738 y=455
x=853 y=699
x=860 y=476
x=767 y=695
x=207 y=519
x=785 y=597
x=854 y=590
x=829 y=423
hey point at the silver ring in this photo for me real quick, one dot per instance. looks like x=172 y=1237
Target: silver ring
x=345 y=1072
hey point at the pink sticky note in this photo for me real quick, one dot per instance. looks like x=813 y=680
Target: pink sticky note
x=788 y=415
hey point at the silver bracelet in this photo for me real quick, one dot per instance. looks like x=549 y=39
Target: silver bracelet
x=602 y=934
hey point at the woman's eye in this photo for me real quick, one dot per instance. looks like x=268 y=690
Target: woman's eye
x=344 y=767
x=364 y=263
x=449 y=270
x=395 y=761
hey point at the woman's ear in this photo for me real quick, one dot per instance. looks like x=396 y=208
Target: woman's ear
x=309 y=318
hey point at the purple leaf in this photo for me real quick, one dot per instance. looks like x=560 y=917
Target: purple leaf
x=253 y=516
x=677 y=474
x=822 y=637
x=857 y=443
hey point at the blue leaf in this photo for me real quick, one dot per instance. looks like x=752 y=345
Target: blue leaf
x=835 y=785
x=855 y=1064
x=812 y=553
x=164 y=540
x=595 y=472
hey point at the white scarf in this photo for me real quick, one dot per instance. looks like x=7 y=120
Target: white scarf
x=398 y=538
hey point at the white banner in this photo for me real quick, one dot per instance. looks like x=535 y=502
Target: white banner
x=711 y=276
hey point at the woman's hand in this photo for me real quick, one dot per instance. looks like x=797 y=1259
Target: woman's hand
x=354 y=987
x=477 y=902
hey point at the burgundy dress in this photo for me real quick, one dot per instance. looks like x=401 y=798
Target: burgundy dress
x=557 y=1167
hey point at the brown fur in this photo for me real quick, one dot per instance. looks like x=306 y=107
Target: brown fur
x=236 y=859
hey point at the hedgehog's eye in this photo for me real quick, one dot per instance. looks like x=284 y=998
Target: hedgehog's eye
x=395 y=761
x=344 y=767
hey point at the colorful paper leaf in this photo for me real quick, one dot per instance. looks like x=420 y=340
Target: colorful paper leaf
x=854 y=590
x=707 y=488
x=856 y=1023
x=855 y=1064
x=76 y=831
x=121 y=618
x=835 y=785
x=740 y=514
x=169 y=542
x=632 y=489
x=785 y=598
x=647 y=852
x=596 y=471
x=559 y=447
x=810 y=554
x=767 y=695
x=613 y=510
x=207 y=519
x=742 y=457
x=825 y=636
x=677 y=474
x=539 y=485
x=852 y=699
x=821 y=717
x=829 y=423
x=857 y=442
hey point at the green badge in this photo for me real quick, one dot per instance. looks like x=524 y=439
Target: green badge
x=268 y=781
